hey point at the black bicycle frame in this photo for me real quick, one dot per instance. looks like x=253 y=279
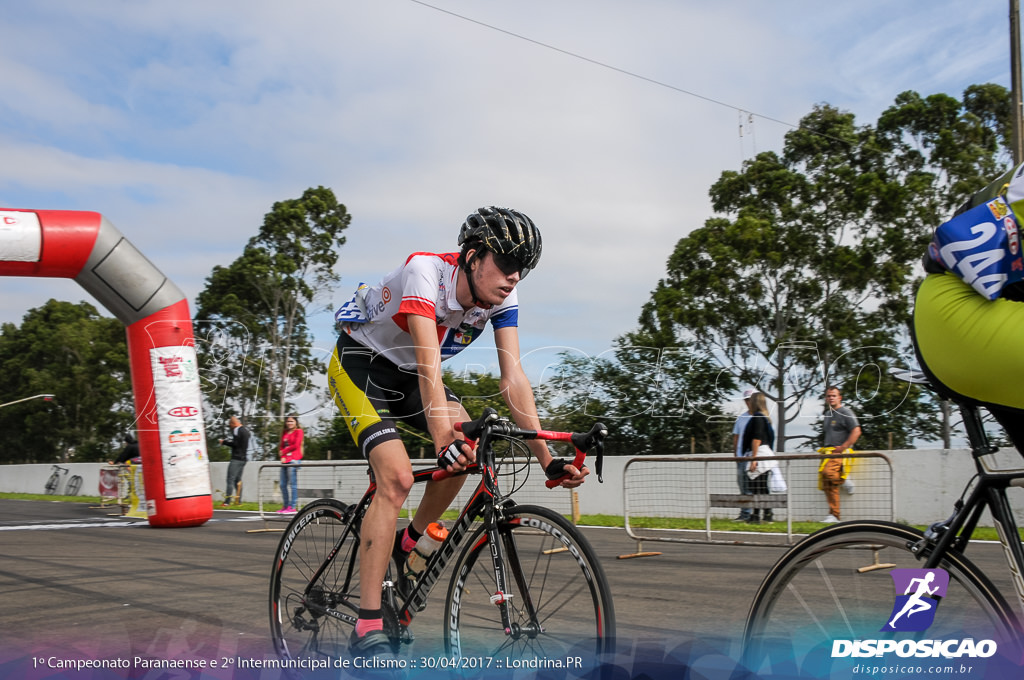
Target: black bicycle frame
x=989 y=492
x=480 y=505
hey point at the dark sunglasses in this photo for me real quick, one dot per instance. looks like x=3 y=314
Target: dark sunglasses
x=509 y=265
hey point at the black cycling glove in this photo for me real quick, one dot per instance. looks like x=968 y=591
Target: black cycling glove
x=449 y=455
x=556 y=468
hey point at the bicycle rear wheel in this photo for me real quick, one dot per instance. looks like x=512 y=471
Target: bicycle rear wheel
x=836 y=585
x=74 y=484
x=52 y=483
x=560 y=604
x=314 y=583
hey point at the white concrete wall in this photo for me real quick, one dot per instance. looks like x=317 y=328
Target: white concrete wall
x=926 y=483
x=32 y=478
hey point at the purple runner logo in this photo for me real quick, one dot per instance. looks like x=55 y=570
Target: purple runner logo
x=918 y=593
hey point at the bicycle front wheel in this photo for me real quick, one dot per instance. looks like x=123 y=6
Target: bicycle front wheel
x=837 y=585
x=559 y=602
x=314 y=583
x=52 y=483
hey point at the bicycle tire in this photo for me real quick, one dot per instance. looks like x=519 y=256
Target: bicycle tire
x=833 y=585
x=299 y=624
x=549 y=565
x=74 y=484
x=52 y=483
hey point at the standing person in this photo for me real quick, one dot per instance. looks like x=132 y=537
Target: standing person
x=291 y=453
x=840 y=430
x=130 y=452
x=239 y=445
x=759 y=433
x=387 y=367
x=742 y=481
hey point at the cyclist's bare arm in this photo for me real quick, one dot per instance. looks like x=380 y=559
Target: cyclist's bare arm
x=518 y=394
x=441 y=414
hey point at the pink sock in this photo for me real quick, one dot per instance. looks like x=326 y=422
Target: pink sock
x=407 y=543
x=364 y=626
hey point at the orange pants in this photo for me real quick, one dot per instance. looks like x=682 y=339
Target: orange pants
x=831 y=480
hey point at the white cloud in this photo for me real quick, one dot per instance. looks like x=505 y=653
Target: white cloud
x=184 y=122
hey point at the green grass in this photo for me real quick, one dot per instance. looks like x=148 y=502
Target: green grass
x=47 y=497
x=981 y=533
x=698 y=524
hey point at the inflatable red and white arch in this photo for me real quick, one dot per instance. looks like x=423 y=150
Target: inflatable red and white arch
x=86 y=247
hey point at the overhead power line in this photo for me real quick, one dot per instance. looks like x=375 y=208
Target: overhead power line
x=610 y=67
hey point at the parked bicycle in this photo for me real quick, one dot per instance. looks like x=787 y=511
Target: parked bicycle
x=74 y=482
x=525 y=583
x=836 y=584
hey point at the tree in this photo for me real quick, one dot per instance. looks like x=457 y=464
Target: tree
x=940 y=151
x=72 y=352
x=808 y=276
x=253 y=340
x=656 y=395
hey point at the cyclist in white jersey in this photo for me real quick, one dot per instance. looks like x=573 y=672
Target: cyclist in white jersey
x=387 y=367
x=426 y=285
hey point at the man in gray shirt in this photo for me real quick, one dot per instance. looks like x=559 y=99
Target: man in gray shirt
x=841 y=431
x=239 y=443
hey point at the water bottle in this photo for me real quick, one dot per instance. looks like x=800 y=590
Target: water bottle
x=429 y=542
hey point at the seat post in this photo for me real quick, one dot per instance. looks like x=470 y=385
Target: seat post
x=980 y=445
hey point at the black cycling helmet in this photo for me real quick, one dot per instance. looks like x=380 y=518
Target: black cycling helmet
x=503 y=232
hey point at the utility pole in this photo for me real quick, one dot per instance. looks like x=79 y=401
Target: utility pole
x=1018 y=127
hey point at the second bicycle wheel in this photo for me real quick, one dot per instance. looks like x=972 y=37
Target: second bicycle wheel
x=74 y=485
x=314 y=599
x=559 y=601
x=837 y=585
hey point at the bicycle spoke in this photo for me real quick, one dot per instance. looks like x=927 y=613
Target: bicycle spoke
x=304 y=594
x=556 y=601
x=807 y=609
x=836 y=585
x=833 y=592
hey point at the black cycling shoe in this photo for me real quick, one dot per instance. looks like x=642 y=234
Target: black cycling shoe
x=374 y=645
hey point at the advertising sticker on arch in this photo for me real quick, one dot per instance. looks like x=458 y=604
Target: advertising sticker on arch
x=21 y=236
x=180 y=421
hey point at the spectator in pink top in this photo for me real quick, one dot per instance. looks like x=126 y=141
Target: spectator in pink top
x=291 y=454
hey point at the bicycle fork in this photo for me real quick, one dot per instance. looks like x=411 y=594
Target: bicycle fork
x=502 y=598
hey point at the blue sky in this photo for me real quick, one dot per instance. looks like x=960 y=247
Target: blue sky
x=184 y=122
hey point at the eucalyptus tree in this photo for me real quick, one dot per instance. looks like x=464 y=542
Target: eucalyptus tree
x=254 y=340
x=806 y=275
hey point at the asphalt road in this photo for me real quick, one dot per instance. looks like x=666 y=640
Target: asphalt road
x=76 y=581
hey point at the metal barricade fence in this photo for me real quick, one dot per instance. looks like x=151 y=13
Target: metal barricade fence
x=347 y=481
x=676 y=498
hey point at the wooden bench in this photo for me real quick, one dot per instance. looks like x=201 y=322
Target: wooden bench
x=752 y=502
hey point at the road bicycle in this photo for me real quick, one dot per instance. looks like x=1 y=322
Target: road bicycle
x=74 y=483
x=525 y=582
x=836 y=583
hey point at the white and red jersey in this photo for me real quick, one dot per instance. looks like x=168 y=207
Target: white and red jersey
x=423 y=286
